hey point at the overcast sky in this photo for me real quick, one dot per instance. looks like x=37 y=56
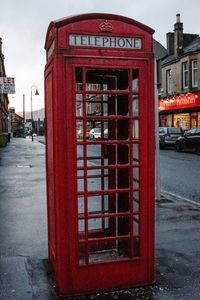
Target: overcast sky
x=23 y=26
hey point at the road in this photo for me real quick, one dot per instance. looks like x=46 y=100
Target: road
x=180 y=174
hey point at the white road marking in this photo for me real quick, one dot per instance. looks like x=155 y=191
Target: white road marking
x=180 y=197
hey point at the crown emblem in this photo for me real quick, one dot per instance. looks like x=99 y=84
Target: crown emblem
x=106 y=26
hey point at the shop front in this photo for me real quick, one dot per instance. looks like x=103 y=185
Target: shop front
x=181 y=111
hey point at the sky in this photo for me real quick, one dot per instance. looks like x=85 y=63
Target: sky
x=24 y=23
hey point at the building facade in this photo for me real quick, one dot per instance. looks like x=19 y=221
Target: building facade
x=3 y=100
x=179 y=103
x=17 y=123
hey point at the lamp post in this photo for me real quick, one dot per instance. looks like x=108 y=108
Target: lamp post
x=36 y=93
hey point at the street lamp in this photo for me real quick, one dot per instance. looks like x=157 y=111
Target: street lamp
x=36 y=93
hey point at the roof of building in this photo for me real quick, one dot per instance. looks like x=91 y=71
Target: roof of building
x=159 y=50
x=193 y=46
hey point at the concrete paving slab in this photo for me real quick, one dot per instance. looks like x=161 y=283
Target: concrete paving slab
x=14 y=282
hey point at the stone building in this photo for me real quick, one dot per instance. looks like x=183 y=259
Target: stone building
x=179 y=104
x=3 y=104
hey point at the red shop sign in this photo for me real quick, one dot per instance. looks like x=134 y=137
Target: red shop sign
x=181 y=101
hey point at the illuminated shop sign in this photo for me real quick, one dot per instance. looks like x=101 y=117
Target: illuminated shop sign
x=181 y=101
x=105 y=41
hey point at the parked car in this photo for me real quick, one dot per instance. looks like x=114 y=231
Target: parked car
x=95 y=133
x=80 y=134
x=168 y=136
x=189 y=141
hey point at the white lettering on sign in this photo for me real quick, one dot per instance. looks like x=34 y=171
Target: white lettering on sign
x=105 y=41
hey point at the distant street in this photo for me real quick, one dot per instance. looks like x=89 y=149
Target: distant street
x=180 y=173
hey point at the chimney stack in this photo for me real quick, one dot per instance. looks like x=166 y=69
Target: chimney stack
x=178 y=36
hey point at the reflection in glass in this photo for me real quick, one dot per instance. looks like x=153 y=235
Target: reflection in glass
x=93 y=151
x=136 y=201
x=98 y=203
x=135 y=106
x=81 y=226
x=79 y=79
x=135 y=154
x=80 y=205
x=135 y=82
x=136 y=225
x=80 y=185
x=79 y=104
x=79 y=130
x=135 y=129
x=135 y=178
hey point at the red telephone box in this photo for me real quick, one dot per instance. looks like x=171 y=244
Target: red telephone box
x=100 y=152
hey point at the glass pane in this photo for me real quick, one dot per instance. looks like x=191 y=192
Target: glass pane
x=79 y=79
x=135 y=129
x=80 y=174
x=80 y=185
x=123 y=178
x=108 y=79
x=79 y=149
x=135 y=154
x=81 y=226
x=82 y=254
x=135 y=82
x=98 y=204
x=115 y=226
x=79 y=104
x=123 y=154
x=79 y=130
x=135 y=106
x=123 y=202
x=122 y=105
x=136 y=206
x=93 y=151
x=136 y=247
x=122 y=129
x=97 y=180
x=136 y=178
x=97 y=105
x=108 y=250
x=81 y=205
x=93 y=105
x=136 y=225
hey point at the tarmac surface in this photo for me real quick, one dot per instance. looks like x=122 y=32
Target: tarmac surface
x=24 y=272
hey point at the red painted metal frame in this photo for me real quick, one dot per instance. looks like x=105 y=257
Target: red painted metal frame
x=72 y=278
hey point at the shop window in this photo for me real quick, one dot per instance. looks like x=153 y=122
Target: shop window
x=198 y=119
x=185 y=75
x=194 y=73
x=182 y=121
x=169 y=81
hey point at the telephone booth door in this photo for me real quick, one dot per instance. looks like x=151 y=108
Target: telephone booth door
x=111 y=145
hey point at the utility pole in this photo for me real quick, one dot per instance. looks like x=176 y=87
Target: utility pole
x=24 y=116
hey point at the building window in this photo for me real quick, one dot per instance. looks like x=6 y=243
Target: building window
x=194 y=73
x=169 y=81
x=185 y=75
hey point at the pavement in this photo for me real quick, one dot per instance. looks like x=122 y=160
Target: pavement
x=24 y=271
